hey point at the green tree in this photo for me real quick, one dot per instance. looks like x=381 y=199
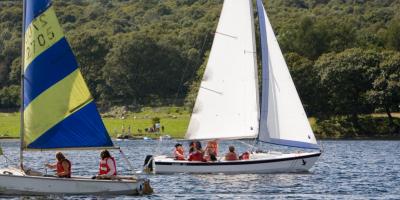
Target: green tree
x=91 y=50
x=393 y=35
x=10 y=97
x=385 y=93
x=305 y=78
x=346 y=79
x=138 y=70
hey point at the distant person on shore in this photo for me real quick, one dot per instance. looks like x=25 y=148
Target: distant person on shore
x=231 y=155
x=179 y=153
x=108 y=167
x=62 y=167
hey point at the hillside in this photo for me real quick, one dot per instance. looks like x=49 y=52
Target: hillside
x=343 y=54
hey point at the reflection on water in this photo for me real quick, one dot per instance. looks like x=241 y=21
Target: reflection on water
x=346 y=170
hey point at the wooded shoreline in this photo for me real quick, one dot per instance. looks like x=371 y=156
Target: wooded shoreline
x=175 y=121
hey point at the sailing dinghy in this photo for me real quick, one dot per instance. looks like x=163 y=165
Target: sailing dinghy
x=228 y=106
x=57 y=112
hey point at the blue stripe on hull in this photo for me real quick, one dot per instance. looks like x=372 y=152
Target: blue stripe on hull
x=35 y=8
x=47 y=69
x=291 y=143
x=84 y=128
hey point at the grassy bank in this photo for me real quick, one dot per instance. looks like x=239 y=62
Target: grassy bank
x=175 y=121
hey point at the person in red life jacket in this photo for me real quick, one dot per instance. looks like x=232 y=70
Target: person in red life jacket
x=179 y=152
x=192 y=147
x=108 y=167
x=231 y=155
x=197 y=154
x=211 y=150
x=62 y=167
x=244 y=156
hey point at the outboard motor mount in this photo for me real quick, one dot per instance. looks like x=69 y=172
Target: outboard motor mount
x=148 y=163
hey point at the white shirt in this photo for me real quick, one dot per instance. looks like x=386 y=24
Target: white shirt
x=110 y=164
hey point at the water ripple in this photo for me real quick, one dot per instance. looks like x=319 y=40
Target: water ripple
x=346 y=170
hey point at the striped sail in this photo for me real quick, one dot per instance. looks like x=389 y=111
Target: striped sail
x=59 y=111
x=283 y=120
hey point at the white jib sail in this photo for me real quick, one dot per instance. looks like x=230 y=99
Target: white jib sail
x=227 y=102
x=283 y=119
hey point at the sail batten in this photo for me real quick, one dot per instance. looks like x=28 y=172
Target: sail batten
x=59 y=111
x=283 y=119
x=225 y=106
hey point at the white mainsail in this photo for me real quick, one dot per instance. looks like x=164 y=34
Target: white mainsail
x=283 y=120
x=227 y=103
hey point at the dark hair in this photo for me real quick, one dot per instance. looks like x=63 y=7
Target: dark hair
x=177 y=145
x=198 y=145
x=231 y=148
x=192 y=146
x=105 y=154
x=60 y=156
x=213 y=157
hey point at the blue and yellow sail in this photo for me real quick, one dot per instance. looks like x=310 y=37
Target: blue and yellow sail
x=59 y=111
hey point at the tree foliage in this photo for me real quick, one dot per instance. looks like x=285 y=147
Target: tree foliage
x=146 y=52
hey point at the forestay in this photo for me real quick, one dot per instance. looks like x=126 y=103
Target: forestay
x=283 y=119
x=227 y=102
x=59 y=111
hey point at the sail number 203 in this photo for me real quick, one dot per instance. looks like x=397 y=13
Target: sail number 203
x=39 y=36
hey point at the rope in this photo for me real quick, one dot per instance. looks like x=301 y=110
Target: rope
x=249 y=145
x=127 y=161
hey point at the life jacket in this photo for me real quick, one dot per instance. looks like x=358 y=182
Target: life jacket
x=231 y=156
x=104 y=168
x=213 y=146
x=196 y=156
x=245 y=156
x=60 y=168
x=179 y=155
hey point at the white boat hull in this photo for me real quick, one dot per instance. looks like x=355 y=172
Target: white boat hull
x=258 y=163
x=13 y=182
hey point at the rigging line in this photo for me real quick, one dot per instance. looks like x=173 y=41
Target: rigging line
x=183 y=75
x=231 y=36
x=252 y=52
x=220 y=93
x=247 y=144
x=127 y=161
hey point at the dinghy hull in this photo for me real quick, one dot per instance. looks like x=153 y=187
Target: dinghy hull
x=259 y=163
x=14 y=183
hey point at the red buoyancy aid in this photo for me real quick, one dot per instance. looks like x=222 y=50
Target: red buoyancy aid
x=213 y=146
x=60 y=168
x=196 y=156
x=245 y=156
x=179 y=155
x=231 y=156
x=104 y=168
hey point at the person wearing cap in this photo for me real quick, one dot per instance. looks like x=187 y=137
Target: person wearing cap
x=179 y=152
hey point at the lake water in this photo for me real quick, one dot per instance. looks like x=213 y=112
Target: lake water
x=346 y=170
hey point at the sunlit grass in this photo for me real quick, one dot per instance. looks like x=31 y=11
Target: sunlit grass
x=9 y=124
x=175 y=121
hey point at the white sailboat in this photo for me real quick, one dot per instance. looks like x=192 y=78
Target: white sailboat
x=57 y=112
x=228 y=106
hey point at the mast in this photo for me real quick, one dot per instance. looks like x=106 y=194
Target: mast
x=265 y=70
x=21 y=153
